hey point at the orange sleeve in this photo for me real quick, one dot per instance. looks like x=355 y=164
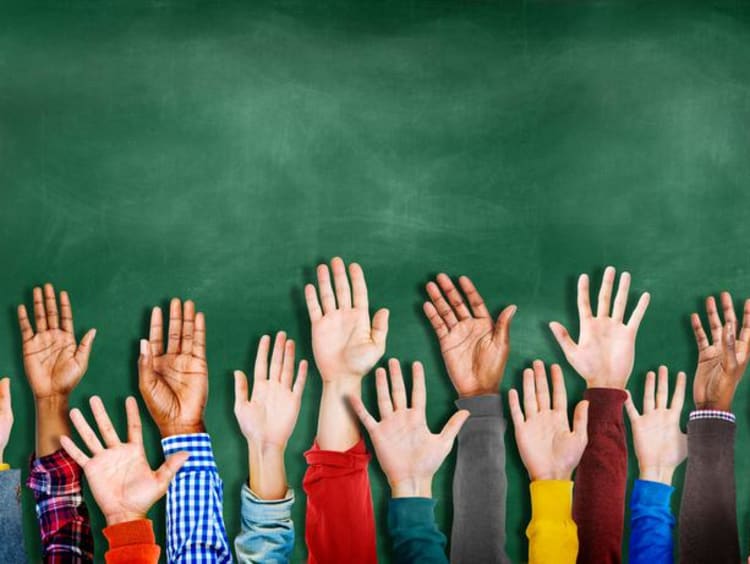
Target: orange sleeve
x=132 y=542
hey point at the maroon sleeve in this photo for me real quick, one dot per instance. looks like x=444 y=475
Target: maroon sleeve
x=601 y=480
x=340 y=521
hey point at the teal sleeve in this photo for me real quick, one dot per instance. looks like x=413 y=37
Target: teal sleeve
x=414 y=533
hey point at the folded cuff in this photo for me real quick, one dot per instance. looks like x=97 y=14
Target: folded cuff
x=197 y=445
x=355 y=457
x=551 y=500
x=54 y=474
x=257 y=510
x=408 y=512
x=140 y=531
x=653 y=494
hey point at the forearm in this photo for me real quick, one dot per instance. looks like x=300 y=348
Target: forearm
x=651 y=523
x=480 y=484
x=708 y=514
x=414 y=533
x=51 y=424
x=338 y=428
x=267 y=471
x=552 y=533
x=601 y=480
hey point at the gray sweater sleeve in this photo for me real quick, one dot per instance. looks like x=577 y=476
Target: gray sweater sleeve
x=11 y=529
x=708 y=514
x=480 y=484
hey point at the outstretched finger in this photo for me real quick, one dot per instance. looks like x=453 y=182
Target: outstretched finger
x=240 y=388
x=701 y=338
x=530 y=406
x=27 y=333
x=418 y=388
x=621 y=298
x=66 y=313
x=441 y=329
x=501 y=332
x=727 y=307
x=104 y=423
x=299 y=383
x=584 y=297
x=714 y=322
x=73 y=451
x=605 y=292
x=581 y=419
x=50 y=305
x=542 y=388
x=287 y=365
x=478 y=308
x=175 y=326
x=85 y=431
x=135 y=428
x=188 y=327
x=559 y=394
x=83 y=352
x=261 y=360
x=341 y=283
x=630 y=408
x=277 y=357
x=359 y=286
x=745 y=332
x=167 y=471
x=516 y=413
x=398 y=388
x=40 y=316
x=563 y=338
x=364 y=416
x=640 y=310
x=325 y=289
x=678 y=396
x=442 y=307
x=662 y=388
x=649 y=392
x=156 y=332
x=313 y=306
x=454 y=296
x=453 y=426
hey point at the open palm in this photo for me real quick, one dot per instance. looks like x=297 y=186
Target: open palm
x=119 y=475
x=53 y=361
x=548 y=447
x=475 y=348
x=174 y=384
x=345 y=344
x=721 y=363
x=605 y=352
x=406 y=448
x=270 y=415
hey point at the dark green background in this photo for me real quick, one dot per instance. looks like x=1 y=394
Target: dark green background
x=218 y=151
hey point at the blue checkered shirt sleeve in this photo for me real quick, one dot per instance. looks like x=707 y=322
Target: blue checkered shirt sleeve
x=195 y=525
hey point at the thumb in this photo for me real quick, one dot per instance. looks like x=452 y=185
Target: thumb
x=453 y=426
x=380 y=326
x=567 y=344
x=633 y=414
x=146 y=376
x=84 y=348
x=240 y=388
x=171 y=466
x=502 y=325
x=729 y=338
x=581 y=419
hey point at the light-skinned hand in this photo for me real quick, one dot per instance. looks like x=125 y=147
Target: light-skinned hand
x=721 y=362
x=475 y=347
x=6 y=416
x=174 y=384
x=548 y=447
x=605 y=351
x=659 y=444
x=119 y=474
x=345 y=345
x=268 y=418
x=408 y=452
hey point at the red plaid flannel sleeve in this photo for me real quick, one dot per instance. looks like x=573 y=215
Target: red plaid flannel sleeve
x=63 y=518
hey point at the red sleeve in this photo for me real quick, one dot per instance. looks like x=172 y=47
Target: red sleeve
x=340 y=521
x=132 y=543
x=601 y=479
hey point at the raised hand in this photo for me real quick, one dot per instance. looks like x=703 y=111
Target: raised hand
x=345 y=345
x=605 y=351
x=549 y=449
x=268 y=418
x=53 y=361
x=174 y=384
x=475 y=347
x=408 y=452
x=6 y=415
x=722 y=362
x=659 y=444
x=119 y=475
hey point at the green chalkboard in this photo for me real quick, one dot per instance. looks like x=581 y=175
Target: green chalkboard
x=217 y=151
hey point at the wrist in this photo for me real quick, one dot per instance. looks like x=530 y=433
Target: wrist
x=714 y=406
x=267 y=470
x=550 y=474
x=414 y=486
x=52 y=405
x=343 y=386
x=122 y=517
x=662 y=474
x=170 y=429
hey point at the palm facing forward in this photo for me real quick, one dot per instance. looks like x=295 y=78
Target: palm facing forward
x=345 y=345
x=174 y=384
x=53 y=362
x=119 y=475
x=408 y=452
x=475 y=348
x=549 y=449
x=722 y=363
x=605 y=351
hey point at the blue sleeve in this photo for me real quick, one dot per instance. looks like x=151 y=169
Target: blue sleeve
x=11 y=532
x=267 y=533
x=195 y=524
x=651 y=523
x=414 y=533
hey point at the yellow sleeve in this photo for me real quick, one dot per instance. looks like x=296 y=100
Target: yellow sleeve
x=552 y=533
x=4 y=466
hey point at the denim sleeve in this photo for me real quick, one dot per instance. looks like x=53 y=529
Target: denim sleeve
x=11 y=531
x=651 y=523
x=267 y=533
